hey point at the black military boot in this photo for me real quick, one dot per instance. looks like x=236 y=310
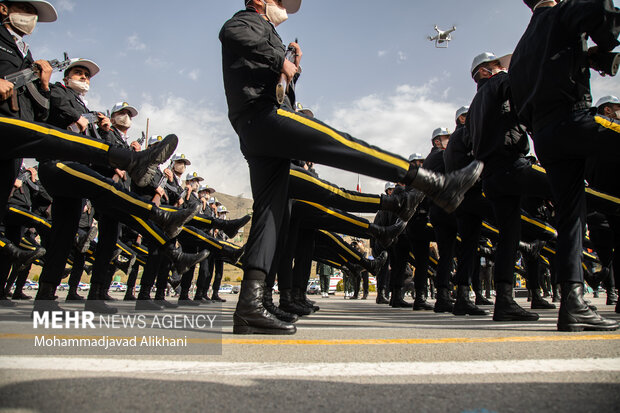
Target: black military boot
x=95 y=301
x=233 y=257
x=397 y=299
x=216 y=298
x=402 y=202
x=575 y=315
x=22 y=258
x=374 y=266
x=365 y=295
x=73 y=295
x=84 y=238
x=447 y=191
x=182 y=261
x=386 y=235
x=444 y=303
x=300 y=297
x=44 y=301
x=612 y=297
x=481 y=299
x=288 y=304
x=231 y=227
x=381 y=298
x=18 y=294
x=539 y=303
x=464 y=306
x=142 y=166
x=160 y=299
x=129 y=295
x=105 y=293
x=276 y=311
x=506 y=309
x=420 y=303
x=171 y=222
x=184 y=299
x=556 y=293
x=144 y=302
x=199 y=296
x=251 y=317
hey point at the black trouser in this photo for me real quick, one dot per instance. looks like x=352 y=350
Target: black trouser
x=77 y=269
x=605 y=234
x=331 y=248
x=505 y=189
x=420 y=236
x=325 y=280
x=304 y=185
x=444 y=226
x=269 y=139
x=109 y=230
x=22 y=139
x=383 y=278
x=563 y=146
x=469 y=217
x=314 y=215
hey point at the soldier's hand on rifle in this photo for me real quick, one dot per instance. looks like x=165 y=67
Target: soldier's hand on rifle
x=121 y=174
x=6 y=89
x=45 y=74
x=297 y=53
x=104 y=122
x=18 y=183
x=82 y=123
x=136 y=146
x=289 y=69
x=33 y=174
x=168 y=174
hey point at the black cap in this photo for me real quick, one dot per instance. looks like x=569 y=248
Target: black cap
x=531 y=3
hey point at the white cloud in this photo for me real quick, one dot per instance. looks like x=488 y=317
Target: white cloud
x=603 y=86
x=401 y=123
x=65 y=5
x=134 y=43
x=381 y=53
x=194 y=74
x=402 y=56
x=205 y=136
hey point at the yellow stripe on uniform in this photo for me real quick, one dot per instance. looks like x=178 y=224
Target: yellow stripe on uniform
x=549 y=250
x=104 y=185
x=539 y=168
x=539 y=224
x=200 y=219
x=357 y=198
x=53 y=132
x=401 y=163
x=607 y=124
x=433 y=260
x=149 y=229
x=123 y=249
x=341 y=244
x=2 y=244
x=207 y=240
x=336 y=214
x=32 y=217
x=335 y=264
x=489 y=227
x=603 y=195
x=343 y=258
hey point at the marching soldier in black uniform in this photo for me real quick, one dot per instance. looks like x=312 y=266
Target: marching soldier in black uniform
x=502 y=144
x=550 y=82
x=271 y=135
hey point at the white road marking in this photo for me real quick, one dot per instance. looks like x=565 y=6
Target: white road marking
x=311 y=369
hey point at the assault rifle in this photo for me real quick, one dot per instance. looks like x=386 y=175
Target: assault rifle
x=162 y=182
x=283 y=84
x=25 y=78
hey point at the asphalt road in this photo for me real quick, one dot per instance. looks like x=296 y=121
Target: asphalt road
x=350 y=356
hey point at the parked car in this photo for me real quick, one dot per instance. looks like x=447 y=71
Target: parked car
x=118 y=286
x=31 y=285
x=314 y=287
x=225 y=288
x=63 y=287
x=83 y=286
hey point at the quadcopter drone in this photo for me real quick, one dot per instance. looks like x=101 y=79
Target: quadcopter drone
x=442 y=38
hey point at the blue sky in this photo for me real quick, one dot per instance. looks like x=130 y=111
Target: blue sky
x=367 y=69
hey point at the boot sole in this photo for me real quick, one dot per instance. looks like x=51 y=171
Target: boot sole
x=514 y=318
x=455 y=201
x=573 y=328
x=238 y=329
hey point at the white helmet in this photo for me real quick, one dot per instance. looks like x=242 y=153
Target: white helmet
x=389 y=185
x=440 y=132
x=461 y=111
x=416 y=157
x=607 y=99
x=487 y=57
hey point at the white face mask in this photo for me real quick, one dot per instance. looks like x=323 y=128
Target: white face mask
x=122 y=120
x=80 y=87
x=618 y=115
x=275 y=14
x=23 y=22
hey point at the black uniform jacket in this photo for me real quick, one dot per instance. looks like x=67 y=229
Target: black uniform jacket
x=549 y=70
x=252 y=59
x=66 y=107
x=11 y=61
x=458 y=153
x=497 y=137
